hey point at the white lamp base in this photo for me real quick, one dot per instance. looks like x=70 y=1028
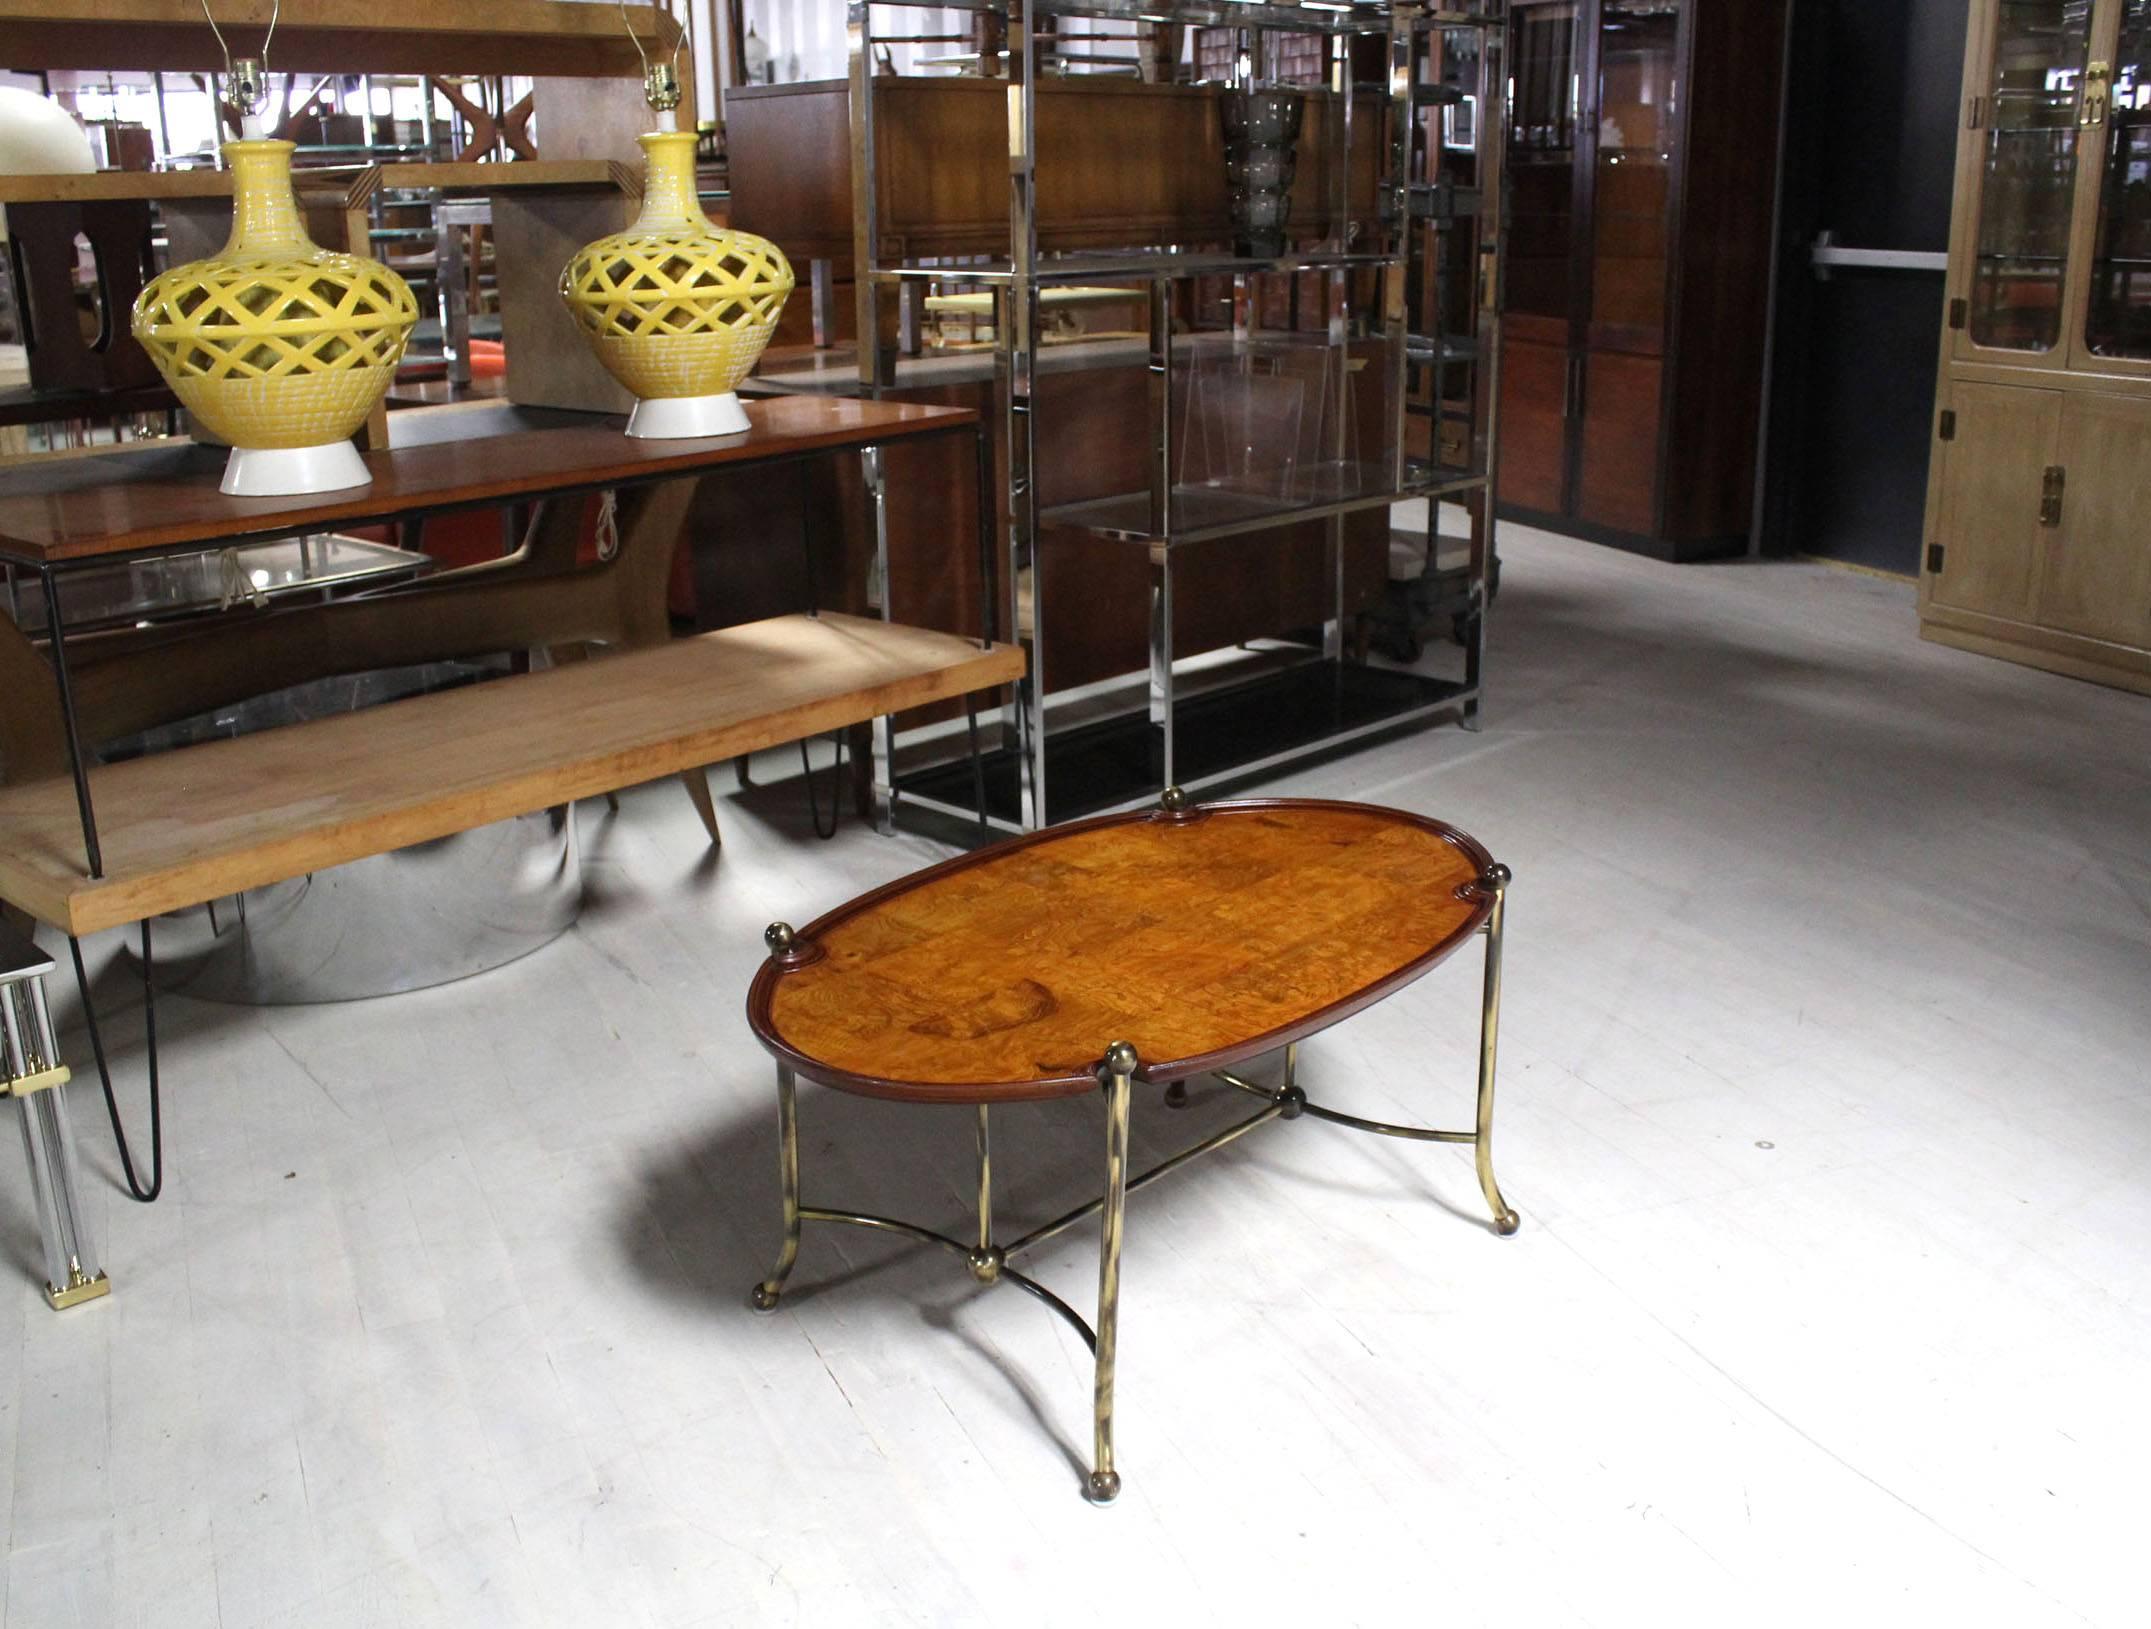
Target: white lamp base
x=683 y=418
x=284 y=472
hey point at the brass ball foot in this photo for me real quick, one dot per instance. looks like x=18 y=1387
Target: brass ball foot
x=763 y=1298
x=986 y=1265
x=1102 y=1487
x=1507 y=1223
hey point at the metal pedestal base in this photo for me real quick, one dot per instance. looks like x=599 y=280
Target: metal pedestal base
x=409 y=919
x=989 y=1262
x=30 y=1072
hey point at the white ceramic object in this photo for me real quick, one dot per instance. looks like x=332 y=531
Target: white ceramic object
x=680 y=418
x=277 y=472
x=39 y=137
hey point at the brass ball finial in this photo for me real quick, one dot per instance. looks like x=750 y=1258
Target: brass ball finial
x=1120 y=1059
x=1174 y=801
x=1499 y=875
x=779 y=937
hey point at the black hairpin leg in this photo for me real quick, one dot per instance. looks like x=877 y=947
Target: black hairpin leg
x=146 y=1193
x=78 y=762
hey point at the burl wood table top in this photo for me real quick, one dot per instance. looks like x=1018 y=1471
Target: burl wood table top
x=1203 y=937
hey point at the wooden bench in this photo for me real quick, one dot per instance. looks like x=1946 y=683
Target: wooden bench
x=185 y=827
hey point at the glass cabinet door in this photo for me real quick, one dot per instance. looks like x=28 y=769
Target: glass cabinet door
x=1544 y=92
x=2118 y=324
x=2028 y=180
x=1638 y=68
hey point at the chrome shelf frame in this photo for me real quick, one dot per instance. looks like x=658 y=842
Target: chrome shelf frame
x=1163 y=265
x=1410 y=210
x=1288 y=16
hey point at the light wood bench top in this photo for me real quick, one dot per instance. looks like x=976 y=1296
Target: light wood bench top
x=179 y=828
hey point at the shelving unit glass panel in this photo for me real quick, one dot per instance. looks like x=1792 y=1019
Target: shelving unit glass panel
x=2119 y=323
x=1265 y=429
x=1638 y=63
x=1543 y=110
x=2028 y=185
x=1444 y=384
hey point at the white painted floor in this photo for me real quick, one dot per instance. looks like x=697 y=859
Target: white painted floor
x=1825 y=1099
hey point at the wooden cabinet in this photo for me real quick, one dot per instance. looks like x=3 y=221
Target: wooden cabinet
x=2038 y=546
x=2003 y=442
x=1642 y=156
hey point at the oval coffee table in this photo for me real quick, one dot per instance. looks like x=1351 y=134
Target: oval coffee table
x=1153 y=946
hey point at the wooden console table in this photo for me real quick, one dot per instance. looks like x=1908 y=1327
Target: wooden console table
x=86 y=845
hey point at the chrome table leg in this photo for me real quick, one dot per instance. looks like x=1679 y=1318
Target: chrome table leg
x=31 y=1072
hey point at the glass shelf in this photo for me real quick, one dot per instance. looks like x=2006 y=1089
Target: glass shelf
x=1202 y=513
x=131 y=593
x=1160 y=263
x=1423 y=352
x=1222 y=735
x=1306 y=17
x=2028 y=186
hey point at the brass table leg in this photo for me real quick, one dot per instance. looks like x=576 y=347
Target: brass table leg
x=1117 y=1078
x=987 y=1258
x=765 y=1294
x=1482 y=1141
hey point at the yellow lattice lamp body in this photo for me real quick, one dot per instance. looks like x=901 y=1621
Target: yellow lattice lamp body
x=677 y=308
x=278 y=345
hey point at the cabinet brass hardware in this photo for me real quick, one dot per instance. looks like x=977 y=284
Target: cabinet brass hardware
x=2050 y=493
x=1959 y=313
x=2097 y=78
x=1934 y=559
x=1949 y=424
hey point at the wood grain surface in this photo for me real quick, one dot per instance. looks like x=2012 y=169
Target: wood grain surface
x=1202 y=939
x=85 y=508
x=181 y=827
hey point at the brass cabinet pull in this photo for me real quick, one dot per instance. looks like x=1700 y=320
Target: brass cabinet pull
x=2050 y=495
x=2097 y=78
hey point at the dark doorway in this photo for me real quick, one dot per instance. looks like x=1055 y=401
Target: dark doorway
x=1870 y=153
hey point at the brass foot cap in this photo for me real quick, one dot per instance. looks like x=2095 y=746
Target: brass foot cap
x=986 y=1265
x=1102 y=1487
x=77 y=1292
x=763 y=1298
x=1507 y=1223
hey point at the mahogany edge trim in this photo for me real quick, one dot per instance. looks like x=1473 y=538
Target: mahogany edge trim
x=929 y=419
x=762 y=991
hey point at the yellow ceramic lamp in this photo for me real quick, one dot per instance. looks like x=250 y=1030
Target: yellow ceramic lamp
x=678 y=308
x=279 y=346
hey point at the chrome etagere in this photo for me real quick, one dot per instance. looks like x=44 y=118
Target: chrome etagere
x=1325 y=696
